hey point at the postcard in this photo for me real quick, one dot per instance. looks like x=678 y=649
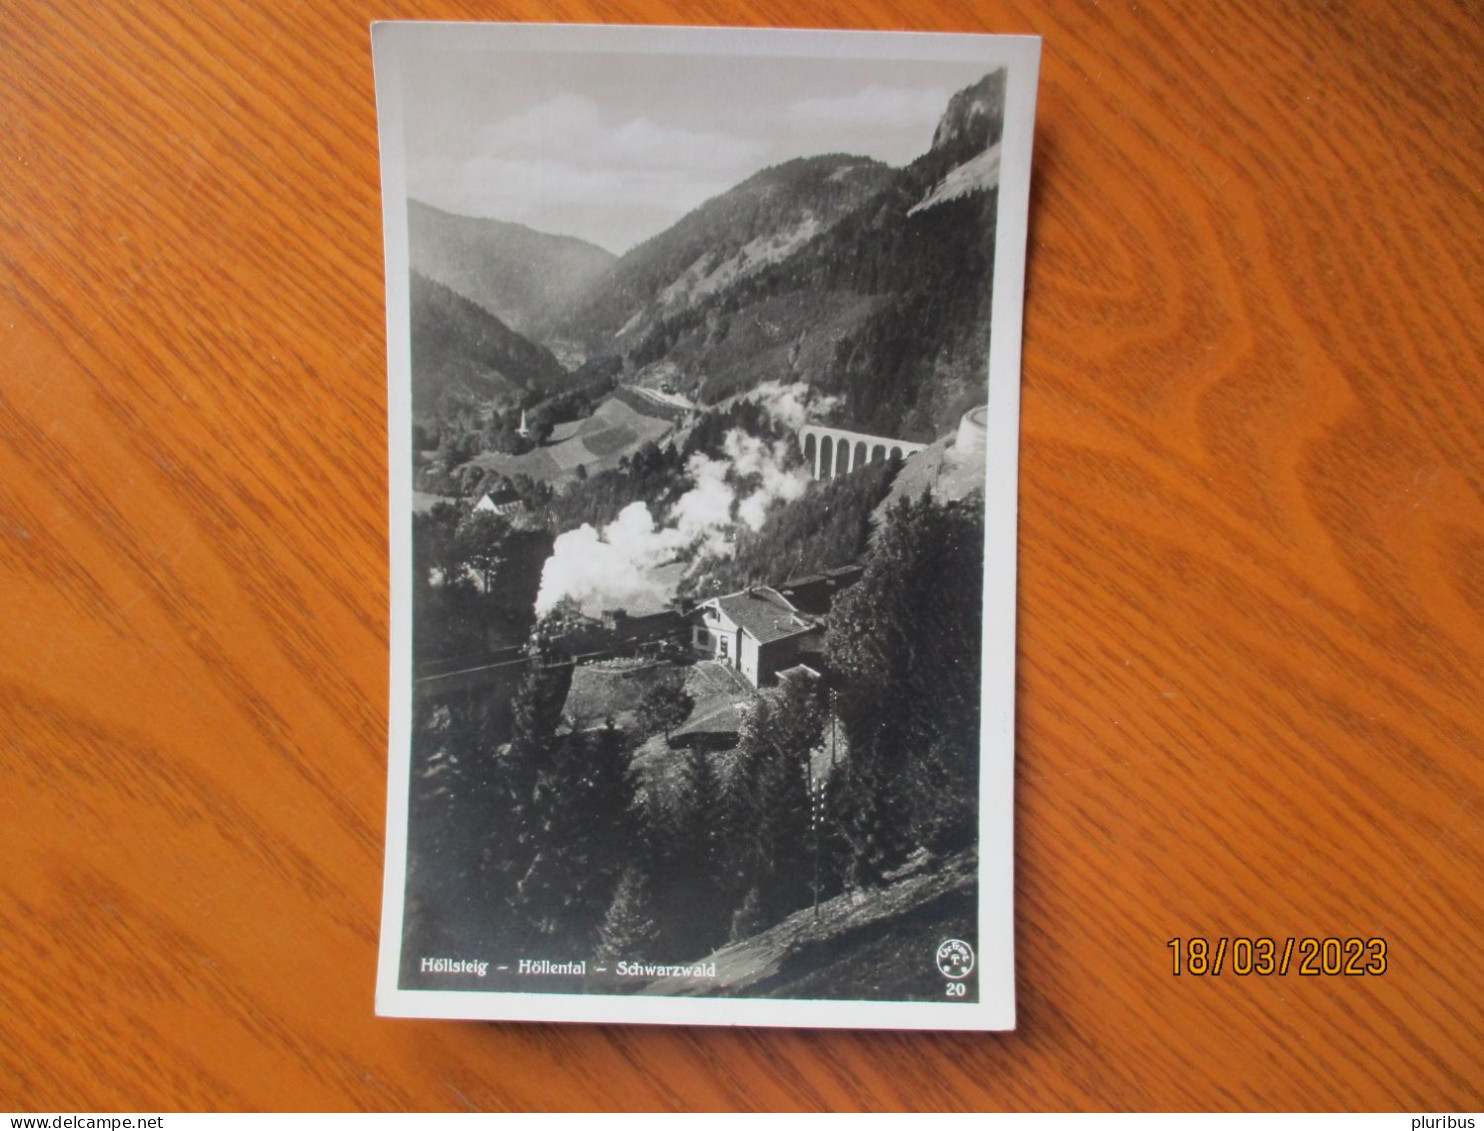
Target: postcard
x=704 y=365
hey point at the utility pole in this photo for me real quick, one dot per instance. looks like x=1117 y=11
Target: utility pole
x=816 y=820
x=832 y=730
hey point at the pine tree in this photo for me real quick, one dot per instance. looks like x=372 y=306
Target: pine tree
x=748 y=919
x=663 y=707
x=695 y=871
x=458 y=837
x=629 y=930
x=768 y=828
x=581 y=828
x=514 y=831
x=867 y=820
x=480 y=540
x=905 y=643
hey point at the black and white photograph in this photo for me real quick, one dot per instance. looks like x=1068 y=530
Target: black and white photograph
x=703 y=379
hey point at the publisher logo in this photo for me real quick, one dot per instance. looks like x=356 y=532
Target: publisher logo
x=955 y=958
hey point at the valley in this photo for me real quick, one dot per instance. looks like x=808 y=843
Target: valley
x=594 y=443
x=697 y=562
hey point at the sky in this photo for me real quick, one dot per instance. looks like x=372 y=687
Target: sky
x=615 y=148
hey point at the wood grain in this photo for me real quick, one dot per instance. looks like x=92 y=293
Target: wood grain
x=1252 y=587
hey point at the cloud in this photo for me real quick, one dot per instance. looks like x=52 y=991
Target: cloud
x=611 y=208
x=895 y=122
x=889 y=107
x=564 y=165
x=615 y=568
x=572 y=129
x=776 y=482
x=612 y=570
x=792 y=406
x=703 y=515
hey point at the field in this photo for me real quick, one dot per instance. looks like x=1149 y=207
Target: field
x=597 y=443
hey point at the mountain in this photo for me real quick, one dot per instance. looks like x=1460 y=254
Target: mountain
x=761 y=221
x=965 y=154
x=463 y=357
x=923 y=250
x=523 y=277
x=870 y=284
x=973 y=121
x=873 y=285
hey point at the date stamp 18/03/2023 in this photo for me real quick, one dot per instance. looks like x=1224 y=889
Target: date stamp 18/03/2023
x=1265 y=956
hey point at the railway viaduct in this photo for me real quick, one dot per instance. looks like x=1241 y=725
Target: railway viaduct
x=835 y=451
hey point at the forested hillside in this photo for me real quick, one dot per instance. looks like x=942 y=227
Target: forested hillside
x=764 y=219
x=888 y=310
x=464 y=358
x=581 y=859
x=870 y=285
x=829 y=526
x=525 y=278
x=886 y=306
x=828 y=288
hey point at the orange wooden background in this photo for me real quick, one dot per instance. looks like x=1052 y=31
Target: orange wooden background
x=1252 y=589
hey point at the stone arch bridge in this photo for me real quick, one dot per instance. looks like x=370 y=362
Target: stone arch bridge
x=834 y=451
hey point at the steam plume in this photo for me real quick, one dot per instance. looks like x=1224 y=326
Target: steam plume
x=618 y=566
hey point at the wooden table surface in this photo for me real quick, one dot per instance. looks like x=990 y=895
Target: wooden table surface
x=1251 y=696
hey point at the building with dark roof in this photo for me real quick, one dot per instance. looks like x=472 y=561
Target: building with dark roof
x=814 y=593
x=647 y=628
x=503 y=502
x=756 y=631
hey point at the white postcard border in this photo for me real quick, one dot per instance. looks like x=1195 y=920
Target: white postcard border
x=995 y=1009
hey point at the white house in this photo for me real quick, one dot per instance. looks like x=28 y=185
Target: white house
x=757 y=631
x=505 y=503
